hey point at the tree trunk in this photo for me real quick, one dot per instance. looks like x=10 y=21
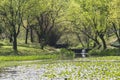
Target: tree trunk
x=31 y=35
x=42 y=46
x=97 y=43
x=15 y=42
x=117 y=32
x=103 y=41
x=80 y=40
x=38 y=35
x=94 y=45
x=41 y=39
x=119 y=36
x=10 y=38
x=88 y=43
x=26 y=37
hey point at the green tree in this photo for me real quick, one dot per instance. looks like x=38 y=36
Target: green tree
x=114 y=19
x=11 y=13
x=92 y=20
x=49 y=20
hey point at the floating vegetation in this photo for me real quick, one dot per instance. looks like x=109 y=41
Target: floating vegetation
x=64 y=71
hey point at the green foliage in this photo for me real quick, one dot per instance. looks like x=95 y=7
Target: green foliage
x=107 y=52
x=66 y=54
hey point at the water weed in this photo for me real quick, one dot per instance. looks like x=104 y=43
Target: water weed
x=66 y=70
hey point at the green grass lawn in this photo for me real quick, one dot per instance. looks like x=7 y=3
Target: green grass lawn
x=26 y=53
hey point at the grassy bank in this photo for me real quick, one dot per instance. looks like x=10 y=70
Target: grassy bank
x=24 y=58
x=26 y=53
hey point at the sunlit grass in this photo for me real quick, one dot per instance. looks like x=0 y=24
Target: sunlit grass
x=24 y=58
x=25 y=53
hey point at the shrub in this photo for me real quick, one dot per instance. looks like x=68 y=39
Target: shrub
x=107 y=52
x=66 y=54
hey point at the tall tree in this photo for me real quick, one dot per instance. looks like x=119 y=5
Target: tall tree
x=114 y=8
x=48 y=18
x=11 y=12
x=92 y=19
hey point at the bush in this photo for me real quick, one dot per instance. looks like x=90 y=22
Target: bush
x=66 y=54
x=107 y=52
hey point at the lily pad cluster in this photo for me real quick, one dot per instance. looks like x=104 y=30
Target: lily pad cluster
x=64 y=71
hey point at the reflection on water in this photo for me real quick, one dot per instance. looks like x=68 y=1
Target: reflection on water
x=24 y=73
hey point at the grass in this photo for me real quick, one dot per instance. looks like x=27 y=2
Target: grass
x=7 y=50
x=24 y=58
x=26 y=52
x=31 y=53
x=26 y=55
